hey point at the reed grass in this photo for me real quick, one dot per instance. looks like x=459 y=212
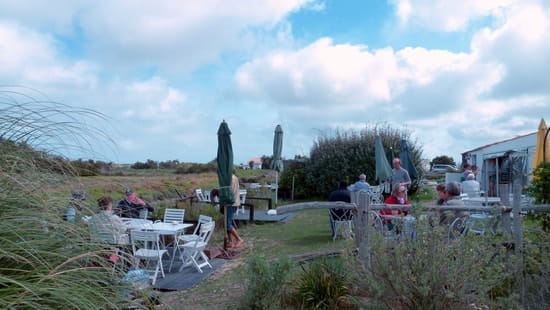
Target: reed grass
x=45 y=262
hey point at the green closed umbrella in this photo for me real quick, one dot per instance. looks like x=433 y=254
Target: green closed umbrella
x=277 y=162
x=383 y=168
x=406 y=160
x=225 y=170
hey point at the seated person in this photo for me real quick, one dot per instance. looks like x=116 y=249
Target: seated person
x=360 y=185
x=471 y=187
x=451 y=197
x=397 y=197
x=74 y=209
x=341 y=194
x=132 y=205
x=106 y=222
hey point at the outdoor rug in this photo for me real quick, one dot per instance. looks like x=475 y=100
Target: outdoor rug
x=185 y=279
x=262 y=216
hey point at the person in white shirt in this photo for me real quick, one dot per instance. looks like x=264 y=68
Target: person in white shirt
x=471 y=186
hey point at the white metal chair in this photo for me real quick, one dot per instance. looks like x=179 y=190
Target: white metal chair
x=105 y=232
x=200 y=196
x=242 y=194
x=375 y=194
x=146 y=246
x=343 y=222
x=182 y=239
x=193 y=251
x=174 y=215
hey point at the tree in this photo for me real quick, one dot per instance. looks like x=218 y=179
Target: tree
x=344 y=155
x=443 y=159
x=541 y=183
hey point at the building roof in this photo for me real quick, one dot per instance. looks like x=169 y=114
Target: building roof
x=255 y=160
x=498 y=142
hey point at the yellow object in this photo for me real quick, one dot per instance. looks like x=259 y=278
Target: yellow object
x=539 y=156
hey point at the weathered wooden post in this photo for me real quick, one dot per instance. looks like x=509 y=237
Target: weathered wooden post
x=361 y=199
x=518 y=240
x=504 y=192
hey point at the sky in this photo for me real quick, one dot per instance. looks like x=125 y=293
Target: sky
x=166 y=73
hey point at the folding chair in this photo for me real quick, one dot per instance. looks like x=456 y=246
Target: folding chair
x=145 y=246
x=343 y=222
x=193 y=251
x=182 y=239
x=174 y=215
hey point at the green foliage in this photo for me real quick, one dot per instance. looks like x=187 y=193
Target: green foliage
x=185 y=168
x=346 y=154
x=431 y=273
x=295 y=169
x=266 y=280
x=540 y=184
x=86 y=168
x=444 y=160
x=324 y=284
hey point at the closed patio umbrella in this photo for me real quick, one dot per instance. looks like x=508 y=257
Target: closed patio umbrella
x=406 y=160
x=225 y=171
x=539 y=150
x=383 y=168
x=277 y=163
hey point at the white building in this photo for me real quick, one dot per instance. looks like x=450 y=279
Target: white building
x=503 y=162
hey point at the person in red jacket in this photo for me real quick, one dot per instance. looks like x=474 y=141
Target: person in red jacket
x=397 y=197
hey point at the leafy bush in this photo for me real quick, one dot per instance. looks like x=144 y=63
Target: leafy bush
x=540 y=184
x=196 y=167
x=266 y=280
x=324 y=284
x=431 y=273
x=295 y=169
x=346 y=154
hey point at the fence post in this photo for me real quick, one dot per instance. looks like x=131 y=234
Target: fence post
x=518 y=240
x=362 y=227
x=504 y=192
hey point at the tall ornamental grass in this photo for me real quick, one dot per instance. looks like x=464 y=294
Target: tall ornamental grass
x=45 y=262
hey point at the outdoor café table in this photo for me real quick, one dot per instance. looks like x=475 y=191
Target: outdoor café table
x=169 y=229
x=133 y=224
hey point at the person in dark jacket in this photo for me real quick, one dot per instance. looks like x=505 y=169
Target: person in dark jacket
x=341 y=194
x=132 y=205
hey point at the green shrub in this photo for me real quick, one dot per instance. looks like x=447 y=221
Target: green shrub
x=324 y=284
x=540 y=184
x=431 y=273
x=346 y=154
x=266 y=280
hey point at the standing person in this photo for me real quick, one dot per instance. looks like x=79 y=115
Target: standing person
x=132 y=205
x=231 y=230
x=340 y=194
x=400 y=176
x=361 y=185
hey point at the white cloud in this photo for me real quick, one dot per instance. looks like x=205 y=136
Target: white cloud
x=445 y=15
x=172 y=35
x=451 y=101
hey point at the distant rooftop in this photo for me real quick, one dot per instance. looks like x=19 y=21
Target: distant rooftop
x=502 y=141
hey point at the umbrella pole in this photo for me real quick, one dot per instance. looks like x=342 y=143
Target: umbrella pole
x=277 y=186
x=225 y=238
